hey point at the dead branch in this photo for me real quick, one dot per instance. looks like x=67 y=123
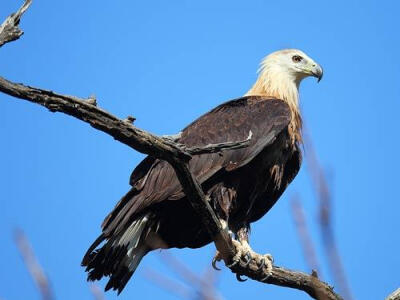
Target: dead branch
x=9 y=30
x=33 y=266
x=394 y=296
x=147 y=143
x=215 y=148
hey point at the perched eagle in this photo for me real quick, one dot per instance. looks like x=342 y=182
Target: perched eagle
x=242 y=184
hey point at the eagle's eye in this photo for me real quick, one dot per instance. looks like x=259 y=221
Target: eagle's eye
x=297 y=58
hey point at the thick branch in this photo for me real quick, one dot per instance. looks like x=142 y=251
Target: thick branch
x=142 y=141
x=120 y=130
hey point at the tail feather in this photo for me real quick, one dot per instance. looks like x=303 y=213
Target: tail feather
x=121 y=276
x=120 y=256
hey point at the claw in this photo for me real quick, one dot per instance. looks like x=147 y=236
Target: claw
x=234 y=263
x=262 y=264
x=248 y=258
x=266 y=277
x=239 y=278
x=270 y=257
x=214 y=264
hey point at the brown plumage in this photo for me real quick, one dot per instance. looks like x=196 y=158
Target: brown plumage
x=242 y=184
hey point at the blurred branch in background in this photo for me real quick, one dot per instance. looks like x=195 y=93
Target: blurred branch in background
x=306 y=242
x=172 y=286
x=203 y=286
x=324 y=197
x=97 y=292
x=204 y=289
x=33 y=266
x=36 y=270
x=199 y=287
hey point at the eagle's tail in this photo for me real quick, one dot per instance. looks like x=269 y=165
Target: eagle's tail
x=121 y=254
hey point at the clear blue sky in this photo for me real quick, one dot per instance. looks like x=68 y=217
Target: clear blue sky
x=167 y=62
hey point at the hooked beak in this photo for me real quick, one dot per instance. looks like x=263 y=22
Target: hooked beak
x=317 y=71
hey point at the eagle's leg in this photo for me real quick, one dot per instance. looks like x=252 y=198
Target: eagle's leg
x=218 y=256
x=244 y=251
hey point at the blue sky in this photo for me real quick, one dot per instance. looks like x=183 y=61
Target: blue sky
x=166 y=63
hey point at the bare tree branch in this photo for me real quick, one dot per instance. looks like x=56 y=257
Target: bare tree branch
x=215 y=148
x=394 y=296
x=142 y=141
x=9 y=30
x=33 y=266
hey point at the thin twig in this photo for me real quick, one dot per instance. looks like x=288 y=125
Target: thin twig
x=145 y=142
x=97 y=292
x=322 y=190
x=304 y=235
x=184 y=272
x=204 y=286
x=216 y=148
x=32 y=264
x=208 y=288
x=168 y=284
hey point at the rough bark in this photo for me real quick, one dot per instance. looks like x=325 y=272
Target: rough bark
x=9 y=30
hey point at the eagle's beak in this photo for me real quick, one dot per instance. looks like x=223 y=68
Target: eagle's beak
x=317 y=71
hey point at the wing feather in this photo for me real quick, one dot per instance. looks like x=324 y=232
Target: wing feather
x=155 y=180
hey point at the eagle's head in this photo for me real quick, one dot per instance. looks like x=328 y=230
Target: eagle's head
x=279 y=77
x=292 y=62
x=281 y=73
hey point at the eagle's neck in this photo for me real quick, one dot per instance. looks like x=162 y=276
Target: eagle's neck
x=281 y=85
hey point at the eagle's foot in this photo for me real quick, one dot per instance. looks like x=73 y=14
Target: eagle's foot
x=244 y=252
x=265 y=261
x=238 y=255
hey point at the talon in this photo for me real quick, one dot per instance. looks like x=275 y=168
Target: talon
x=214 y=264
x=232 y=264
x=262 y=264
x=239 y=278
x=266 y=277
x=248 y=259
x=269 y=256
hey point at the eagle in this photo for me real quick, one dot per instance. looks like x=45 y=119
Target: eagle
x=242 y=185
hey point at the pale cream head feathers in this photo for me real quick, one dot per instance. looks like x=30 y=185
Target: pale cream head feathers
x=279 y=77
